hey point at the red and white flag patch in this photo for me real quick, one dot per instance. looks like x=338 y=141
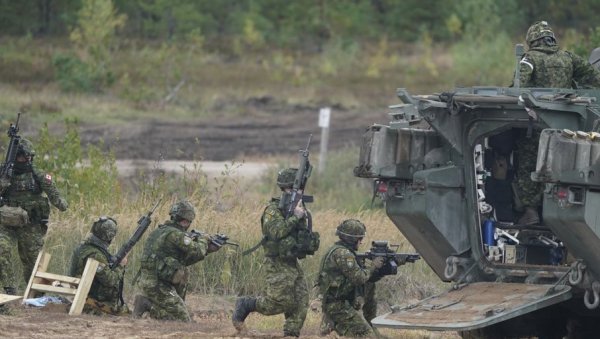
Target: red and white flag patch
x=49 y=178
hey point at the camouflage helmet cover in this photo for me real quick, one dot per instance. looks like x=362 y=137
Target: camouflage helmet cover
x=105 y=228
x=537 y=31
x=286 y=177
x=26 y=147
x=351 y=229
x=183 y=209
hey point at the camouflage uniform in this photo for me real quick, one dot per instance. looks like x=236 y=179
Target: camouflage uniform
x=545 y=65
x=29 y=189
x=529 y=191
x=346 y=289
x=287 y=290
x=167 y=252
x=105 y=293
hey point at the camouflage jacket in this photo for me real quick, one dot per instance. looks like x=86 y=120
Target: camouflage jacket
x=341 y=275
x=280 y=234
x=167 y=252
x=27 y=190
x=550 y=67
x=106 y=285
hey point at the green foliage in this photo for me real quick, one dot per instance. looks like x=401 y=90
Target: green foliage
x=75 y=75
x=93 y=37
x=583 y=45
x=91 y=179
x=483 y=54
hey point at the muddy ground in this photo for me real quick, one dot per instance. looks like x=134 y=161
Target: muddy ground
x=266 y=126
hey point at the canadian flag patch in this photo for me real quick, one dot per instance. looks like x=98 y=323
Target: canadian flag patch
x=48 y=178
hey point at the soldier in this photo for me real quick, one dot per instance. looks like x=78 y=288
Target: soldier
x=106 y=293
x=346 y=285
x=167 y=252
x=545 y=65
x=28 y=191
x=287 y=291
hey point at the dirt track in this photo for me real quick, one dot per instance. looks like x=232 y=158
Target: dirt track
x=265 y=126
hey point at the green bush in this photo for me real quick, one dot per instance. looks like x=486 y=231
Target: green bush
x=74 y=75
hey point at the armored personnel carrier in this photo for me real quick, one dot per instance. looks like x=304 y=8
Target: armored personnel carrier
x=446 y=168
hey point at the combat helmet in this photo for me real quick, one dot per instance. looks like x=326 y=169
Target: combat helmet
x=595 y=58
x=286 y=177
x=537 y=31
x=26 y=148
x=351 y=230
x=105 y=228
x=182 y=210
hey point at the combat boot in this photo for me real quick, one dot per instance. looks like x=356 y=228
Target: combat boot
x=141 y=305
x=243 y=307
x=529 y=217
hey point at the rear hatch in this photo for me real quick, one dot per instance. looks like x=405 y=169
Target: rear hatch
x=474 y=306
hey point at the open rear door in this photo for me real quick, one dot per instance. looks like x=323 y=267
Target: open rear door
x=473 y=306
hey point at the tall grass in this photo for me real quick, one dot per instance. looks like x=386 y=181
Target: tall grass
x=224 y=205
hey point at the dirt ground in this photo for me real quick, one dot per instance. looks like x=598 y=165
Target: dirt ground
x=266 y=126
x=211 y=317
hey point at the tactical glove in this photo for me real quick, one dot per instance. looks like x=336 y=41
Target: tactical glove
x=62 y=204
x=378 y=262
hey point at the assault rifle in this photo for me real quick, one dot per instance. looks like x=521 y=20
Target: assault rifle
x=218 y=239
x=391 y=258
x=291 y=200
x=6 y=172
x=143 y=225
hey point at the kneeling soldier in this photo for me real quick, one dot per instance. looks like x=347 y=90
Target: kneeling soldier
x=105 y=296
x=346 y=284
x=168 y=251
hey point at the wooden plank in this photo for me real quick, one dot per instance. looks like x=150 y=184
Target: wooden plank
x=56 y=277
x=5 y=298
x=87 y=277
x=41 y=264
x=53 y=289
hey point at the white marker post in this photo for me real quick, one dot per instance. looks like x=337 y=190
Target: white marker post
x=324 y=117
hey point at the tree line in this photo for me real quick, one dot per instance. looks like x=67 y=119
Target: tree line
x=299 y=23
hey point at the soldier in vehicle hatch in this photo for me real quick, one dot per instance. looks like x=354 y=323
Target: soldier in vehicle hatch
x=544 y=65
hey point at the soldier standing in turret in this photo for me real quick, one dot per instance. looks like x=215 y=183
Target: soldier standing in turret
x=544 y=65
x=30 y=190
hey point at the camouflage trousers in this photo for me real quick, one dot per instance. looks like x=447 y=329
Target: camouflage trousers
x=166 y=302
x=29 y=240
x=346 y=318
x=95 y=307
x=287 y=293
x=529 y=191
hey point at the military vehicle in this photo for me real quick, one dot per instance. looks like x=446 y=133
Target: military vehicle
x=446 y=168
